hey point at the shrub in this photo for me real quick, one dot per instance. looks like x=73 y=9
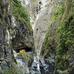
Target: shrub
x=20 y=12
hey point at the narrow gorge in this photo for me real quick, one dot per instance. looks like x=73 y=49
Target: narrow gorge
x=36 y=36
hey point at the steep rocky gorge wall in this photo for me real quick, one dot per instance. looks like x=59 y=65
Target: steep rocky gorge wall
x=15 y=35
x=52 y=23
x=58 y=46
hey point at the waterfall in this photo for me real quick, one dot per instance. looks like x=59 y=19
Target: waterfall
x=8 y=37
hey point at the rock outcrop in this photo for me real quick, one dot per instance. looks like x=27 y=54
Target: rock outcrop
x=5 y=50
x=15 y=36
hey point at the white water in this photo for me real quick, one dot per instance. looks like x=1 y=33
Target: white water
x=13 y=21
x=8 y=37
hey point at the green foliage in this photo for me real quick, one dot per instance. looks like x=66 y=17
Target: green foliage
x=21 y=13
x=64 y=39
x=66 y=32
x=59 y=12
x=12 y=71
x=47 y=47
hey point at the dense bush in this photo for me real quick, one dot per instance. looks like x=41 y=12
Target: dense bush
x=66 y=41
x=58 y=13
x=66 y=35
x=20 y=12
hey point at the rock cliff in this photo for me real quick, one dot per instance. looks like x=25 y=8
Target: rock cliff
x=37 y=36
x=16 y=35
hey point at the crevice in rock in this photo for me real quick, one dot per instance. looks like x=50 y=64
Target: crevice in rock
x=40 y=2
x=26 y=49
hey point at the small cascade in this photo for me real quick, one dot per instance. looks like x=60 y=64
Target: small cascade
x=8 y=37
x=13 y=21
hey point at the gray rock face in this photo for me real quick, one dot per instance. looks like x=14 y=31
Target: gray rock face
x=21 y=37
x=13 y=35
x=45 y=67
x=5 y=51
